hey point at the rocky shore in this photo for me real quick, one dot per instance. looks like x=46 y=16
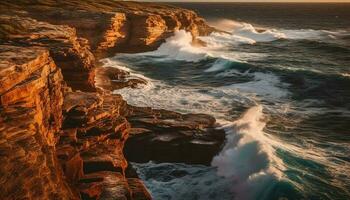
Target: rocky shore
x=63 y=133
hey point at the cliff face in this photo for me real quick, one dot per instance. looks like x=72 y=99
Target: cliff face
x=116 y=26
x=31 y=104
x=57 y=142
x=60 y=137
x=70 y=53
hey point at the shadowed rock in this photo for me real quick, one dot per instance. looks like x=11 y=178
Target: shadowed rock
x=166 y=136
x=59 y=137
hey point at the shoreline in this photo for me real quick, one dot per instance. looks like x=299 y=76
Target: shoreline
x=77 y=131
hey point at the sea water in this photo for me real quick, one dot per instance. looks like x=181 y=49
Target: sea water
x=277 y=81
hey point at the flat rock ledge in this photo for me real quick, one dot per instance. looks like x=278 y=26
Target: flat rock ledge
x=166 y=136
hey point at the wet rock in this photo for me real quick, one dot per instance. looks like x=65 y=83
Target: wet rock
x=165 y=136
x=104 y=185
x=110 y=78
x=95 y=131
x=138 y=189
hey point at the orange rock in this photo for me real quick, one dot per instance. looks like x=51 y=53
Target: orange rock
x=69 y=52
x=74 y=168
x=28 y=123
x=46 y=126
x=138 y=190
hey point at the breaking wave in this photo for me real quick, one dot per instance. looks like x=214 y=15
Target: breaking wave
x=240 y=32
x=226 y=77
x=179 y=47
x=248 y=157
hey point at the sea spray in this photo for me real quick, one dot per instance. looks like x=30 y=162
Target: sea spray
x=232 y=74
x=179 y=47
x=247 y=157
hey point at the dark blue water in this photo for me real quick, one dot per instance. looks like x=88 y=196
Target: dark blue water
x=278 y=82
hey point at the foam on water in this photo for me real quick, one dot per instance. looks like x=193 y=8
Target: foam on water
x=251 y=161
x=210 y=100
x=179 y=47
x=247 y=161
x=222 y=64
x=245 y=33
x=264 y=84
x=172 y=181
x=241 y=33
x=248 y=156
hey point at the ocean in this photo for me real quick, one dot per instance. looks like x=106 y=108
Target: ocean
x=278 y=83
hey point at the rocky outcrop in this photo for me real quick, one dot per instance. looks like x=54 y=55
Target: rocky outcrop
x=91 y=146
x=110 y=79
x=53 y=138
x=69 y=52
x=60 y=137
x=30 y=117
x=114 y=26
x=165 y=136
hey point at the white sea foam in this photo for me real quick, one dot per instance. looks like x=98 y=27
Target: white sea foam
x=179 y=47
x=247 y=161
x=220 y=40
x=240 y=32
x=222 y=64
x=264 y=84
x=346 y=75
x=308 y=34
x=248 y=157
x=173 y=180
x=210 y=100
x=185 y=99
x=248 y=31
x=119 y=65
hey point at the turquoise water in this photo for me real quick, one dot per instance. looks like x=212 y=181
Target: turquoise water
x=279 y=86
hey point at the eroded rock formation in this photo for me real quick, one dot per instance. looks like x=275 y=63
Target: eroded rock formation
x=114 y=25
x=165 y=136
x=69 y=52
x=60 y=136
x=30 y=118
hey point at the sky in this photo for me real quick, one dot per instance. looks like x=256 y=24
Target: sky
x=348 y=1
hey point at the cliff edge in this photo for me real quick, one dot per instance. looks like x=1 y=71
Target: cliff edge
x=61 y=137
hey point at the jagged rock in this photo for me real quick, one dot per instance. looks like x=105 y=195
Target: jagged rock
x=30 y=115
x=57 y=142
x=91 y=146
x=68 y=51
x=166 y=136
x=110 y=78
x=115 y=26
x=105 y=185
x=138 y=190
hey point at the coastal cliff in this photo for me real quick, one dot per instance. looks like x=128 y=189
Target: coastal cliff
x=117 y=26
x=61 y=136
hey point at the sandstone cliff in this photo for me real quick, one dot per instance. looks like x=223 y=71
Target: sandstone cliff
x=60 y=137
x=31 y=104
x=70 y=53
x=117 y=25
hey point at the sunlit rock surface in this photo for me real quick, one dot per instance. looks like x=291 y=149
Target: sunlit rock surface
x=61 y=137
